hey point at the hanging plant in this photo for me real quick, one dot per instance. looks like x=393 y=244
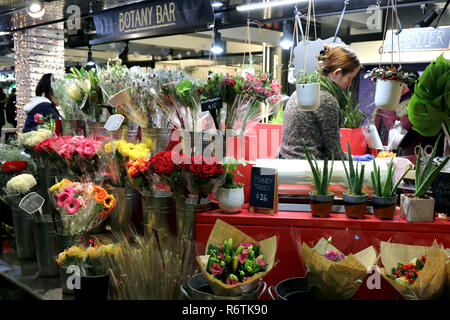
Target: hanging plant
x=308 y=89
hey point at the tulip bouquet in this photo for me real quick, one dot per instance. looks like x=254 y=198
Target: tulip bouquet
x=82 y=206
x=93 y=261
x=83 y=88
x=120 y=153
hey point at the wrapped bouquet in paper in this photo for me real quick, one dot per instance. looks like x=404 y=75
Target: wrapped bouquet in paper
x=82 y=206
x=332 y=275
x=233 y=262
x=417 y=272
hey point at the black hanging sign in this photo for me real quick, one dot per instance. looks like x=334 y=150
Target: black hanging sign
x=264 y=190
x=152 y=19
x=441 y=193
x=211 y=104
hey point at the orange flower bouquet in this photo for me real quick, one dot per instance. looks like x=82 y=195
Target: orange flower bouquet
x=82 y=206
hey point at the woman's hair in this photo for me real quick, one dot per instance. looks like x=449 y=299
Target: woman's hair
x=44 y=86
x=337 y=56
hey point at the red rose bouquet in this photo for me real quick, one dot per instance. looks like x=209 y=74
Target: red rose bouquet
x=48 y=154
x=14 y=166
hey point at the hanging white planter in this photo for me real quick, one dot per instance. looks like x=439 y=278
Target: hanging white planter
x=308 y=96
x=388 y=94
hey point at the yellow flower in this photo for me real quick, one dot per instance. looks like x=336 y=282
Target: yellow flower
x=60 y=186
x=91 y=252
x=75 y=251
x=61 y=257
x=109 y=202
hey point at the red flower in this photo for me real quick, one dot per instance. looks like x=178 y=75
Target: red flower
x=231 y=282
x=218 y=170
x=161 y=165
x=216 y=269
x=196 y=169
x=14 y=166
x=207 y=171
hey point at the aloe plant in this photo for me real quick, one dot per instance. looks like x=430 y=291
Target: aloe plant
x=426 y=176
x=385 y=189
x=322 y=178
x=355 y=176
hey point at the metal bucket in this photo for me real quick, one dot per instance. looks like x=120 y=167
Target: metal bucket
x=199 y=289
x=156 y=211
x=291 y=289
x=46 y=179
x=186 y=211
x=23 y=230
x=46 y=249
x=156 y=139
x=64 y=241
x=127 y=203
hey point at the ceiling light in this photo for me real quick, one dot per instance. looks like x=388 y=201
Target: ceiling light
x=217 y=4
x=286 y=39
x=427 y=19
x=218 y=46
x=90 y=61
x=269 y=4
x=35 y=9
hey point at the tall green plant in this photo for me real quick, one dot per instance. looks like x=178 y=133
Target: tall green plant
x=355 y=176
x=385 y=188
x=351 y=116
x=322 y=178
x=425 y=176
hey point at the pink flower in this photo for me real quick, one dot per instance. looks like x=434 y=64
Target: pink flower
x=245 y=279
x=216 y=269
x=38 y=118
x=261 y=262
x=242 y=258
x=334 y=256
x=62 y=197
x=222 y=256
x=231 y=282
x=69 y=190
x=264 y=77
x=245 y=245
x=71 y=205
x=82 y=203
x=86 y=151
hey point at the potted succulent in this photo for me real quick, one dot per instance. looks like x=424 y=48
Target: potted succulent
x=351 y=119
x=355 y=199
x=418 y=206
x=321 y=199
x=230 y=195
x=390 y=83
x=308 y=89
x=384 y=198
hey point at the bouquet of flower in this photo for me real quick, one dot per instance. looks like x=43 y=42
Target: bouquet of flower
x=82 y=87
x=47 y=152
x=387 y=73
x=333 y=275
x=140 y=176
x=93 y=261
x=70 y=110
x=82 y=155
x=82 y=206
x=120 y=153
x=44 y=122
x=417 y=272
x=233 y=271
x=31 y=139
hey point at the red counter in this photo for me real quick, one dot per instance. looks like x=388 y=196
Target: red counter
x=348 y=234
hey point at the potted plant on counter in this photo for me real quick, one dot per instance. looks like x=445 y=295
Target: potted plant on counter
x=390 y=83
x=230 y=195
x=418 y=206
x=321 y=199
x=308 y=89
x=355 y=199
x=384 y=198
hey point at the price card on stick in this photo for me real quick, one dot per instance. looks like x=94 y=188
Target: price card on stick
x=264 y=190
x=31 y=203
x=114 y=122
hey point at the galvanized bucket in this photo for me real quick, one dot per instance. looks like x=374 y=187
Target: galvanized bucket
x=186 y=211
x=127 y=203
x=198 y=289
x=291 y=289
x=46 y=178
x=156 y=139
x=46 y=249
x=156 y=210
x=23 y=227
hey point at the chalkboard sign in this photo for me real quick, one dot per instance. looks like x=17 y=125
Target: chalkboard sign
x=211 y=104
x=441 y=193
x=114 y=122
x=264 y=189
x=32 y=202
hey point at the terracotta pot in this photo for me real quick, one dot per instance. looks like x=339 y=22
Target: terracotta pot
x=416 y=209
x=355 y=206
x=356 y=139
x=308 y=96
x=384 y=207
x=321 y=204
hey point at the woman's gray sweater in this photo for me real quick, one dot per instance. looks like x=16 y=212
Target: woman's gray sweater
x=319 y=128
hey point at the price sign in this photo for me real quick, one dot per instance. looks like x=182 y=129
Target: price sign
x=264 y=190
x=211 y=104
x=32 y=202
x=441 y=193
x=114 y=122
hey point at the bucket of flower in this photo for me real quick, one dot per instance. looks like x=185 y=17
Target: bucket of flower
x=235 y=263
x=331 y=275
x=416 y=272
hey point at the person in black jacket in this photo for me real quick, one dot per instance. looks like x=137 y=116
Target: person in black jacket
x=44 y=103
x=2 y=109
x=10 y=107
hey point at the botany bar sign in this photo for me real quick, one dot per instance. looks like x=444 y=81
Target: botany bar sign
x=152 y=19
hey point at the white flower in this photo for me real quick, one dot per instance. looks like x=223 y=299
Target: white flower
x=33 y=138
x=85 y=85
x=21 y=184
x=73 y=91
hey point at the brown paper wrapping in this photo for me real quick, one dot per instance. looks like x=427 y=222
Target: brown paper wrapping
x=330 y=280
x=430 y=284
x=447 y=252
x=223 y=231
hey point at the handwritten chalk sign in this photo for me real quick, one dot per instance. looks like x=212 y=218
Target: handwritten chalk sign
x=441 y=193
x=211 y=104
x=264 y=190
x=114 y=122
x=32 y=202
